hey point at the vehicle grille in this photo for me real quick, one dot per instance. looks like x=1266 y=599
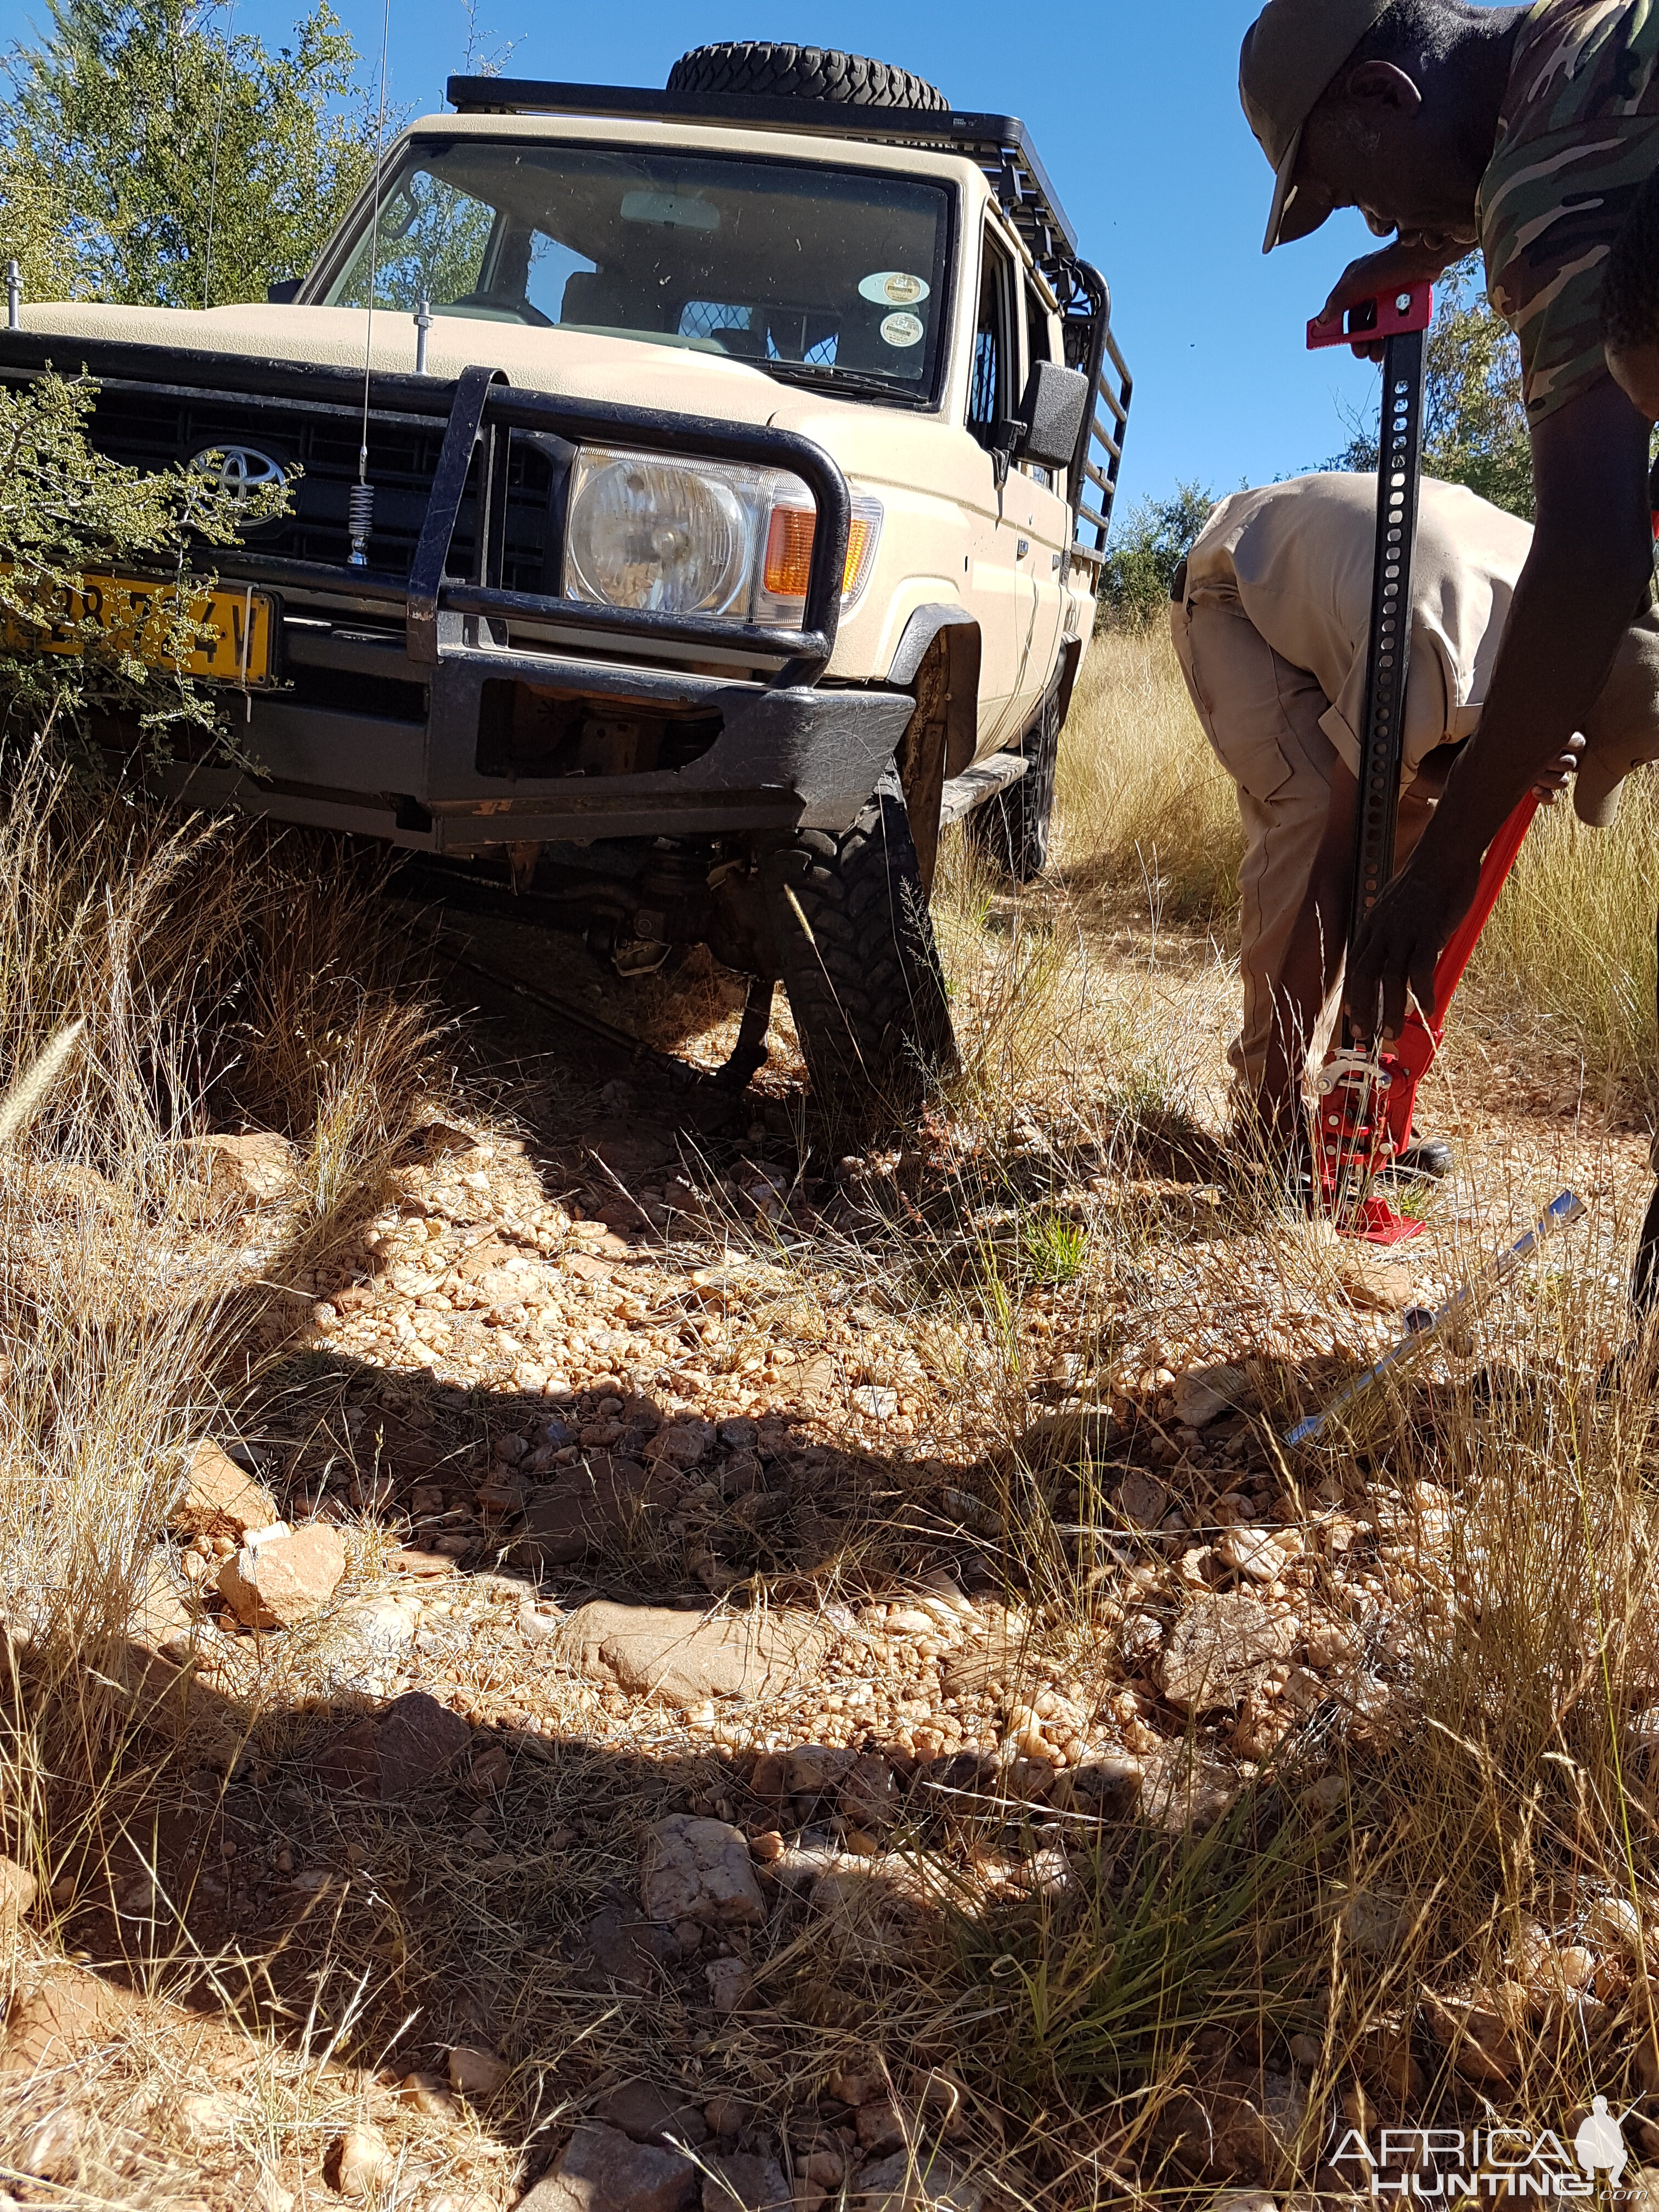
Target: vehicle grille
x=153 y=431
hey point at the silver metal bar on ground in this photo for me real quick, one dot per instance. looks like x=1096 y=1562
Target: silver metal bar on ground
x=1560 y=1214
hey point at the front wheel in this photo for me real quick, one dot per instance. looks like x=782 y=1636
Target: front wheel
x=860 y=962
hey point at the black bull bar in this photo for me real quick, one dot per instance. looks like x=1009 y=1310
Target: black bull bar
x=789 y=754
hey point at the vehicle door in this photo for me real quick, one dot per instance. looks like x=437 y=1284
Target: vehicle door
x=1036 y=497
x=999 y=594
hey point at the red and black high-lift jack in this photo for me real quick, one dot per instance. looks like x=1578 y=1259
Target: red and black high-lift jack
x=1365 y=1099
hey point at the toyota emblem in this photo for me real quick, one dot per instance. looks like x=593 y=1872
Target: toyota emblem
x=238 y=470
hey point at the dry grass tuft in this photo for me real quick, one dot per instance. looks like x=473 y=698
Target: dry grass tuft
x=208 y=968
x=1145 y=803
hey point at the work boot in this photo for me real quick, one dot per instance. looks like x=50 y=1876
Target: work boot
x=1429 y=1160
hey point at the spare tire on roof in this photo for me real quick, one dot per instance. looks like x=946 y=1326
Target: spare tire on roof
x=779 y=72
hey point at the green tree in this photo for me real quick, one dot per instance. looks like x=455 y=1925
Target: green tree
x=1150 y=544
x=149 y=156
x=1474 y=425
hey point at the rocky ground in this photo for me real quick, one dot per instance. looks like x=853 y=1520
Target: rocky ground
x=673 y=1606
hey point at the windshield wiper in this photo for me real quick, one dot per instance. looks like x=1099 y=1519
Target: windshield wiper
x=825 y=379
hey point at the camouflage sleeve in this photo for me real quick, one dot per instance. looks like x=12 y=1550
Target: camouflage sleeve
x=1577 y=138
x=1547 y=245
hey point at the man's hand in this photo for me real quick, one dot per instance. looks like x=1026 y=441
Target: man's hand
x=1410 y=260
x=1402 y=941
x=1560 y=772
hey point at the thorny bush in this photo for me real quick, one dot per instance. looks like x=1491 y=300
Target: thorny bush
x=80 y=632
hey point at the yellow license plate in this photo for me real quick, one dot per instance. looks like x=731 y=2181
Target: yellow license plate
x=137 y=613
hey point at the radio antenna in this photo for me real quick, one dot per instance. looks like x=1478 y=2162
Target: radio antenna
x=213 y=174
x=360 y=506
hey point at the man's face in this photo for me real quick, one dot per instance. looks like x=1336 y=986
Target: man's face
x=1369 y=144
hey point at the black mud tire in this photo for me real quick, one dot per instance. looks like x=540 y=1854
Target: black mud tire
x=860 y=964
x=779 y=72
x=1013 y=829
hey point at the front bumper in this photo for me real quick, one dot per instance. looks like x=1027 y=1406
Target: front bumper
x=402 y=686
x=795 y=757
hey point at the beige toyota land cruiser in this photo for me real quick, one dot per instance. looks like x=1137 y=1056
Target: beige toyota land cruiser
x=698 y=499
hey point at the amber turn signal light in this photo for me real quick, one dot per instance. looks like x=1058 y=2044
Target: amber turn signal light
x=789 y=551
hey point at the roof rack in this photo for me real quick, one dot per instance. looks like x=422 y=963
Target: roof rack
x=999 y=143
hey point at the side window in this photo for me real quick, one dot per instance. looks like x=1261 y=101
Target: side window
x=1039 y=343
x=990 y=397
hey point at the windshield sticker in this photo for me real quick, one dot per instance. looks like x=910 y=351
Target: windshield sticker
x=893 y=288
x=901 y=330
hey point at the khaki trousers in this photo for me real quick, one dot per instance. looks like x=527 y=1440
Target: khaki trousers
x=1261 y=718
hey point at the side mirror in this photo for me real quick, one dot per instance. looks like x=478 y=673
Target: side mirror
x=1054 y=409
x=284 y=294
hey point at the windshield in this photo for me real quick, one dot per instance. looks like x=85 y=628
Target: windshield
x=806 y=271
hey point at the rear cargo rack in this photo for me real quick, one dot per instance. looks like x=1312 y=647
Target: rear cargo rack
x=1092 y=346
x=1000 y=144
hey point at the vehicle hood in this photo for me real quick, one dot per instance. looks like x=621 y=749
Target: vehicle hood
x=576 y=364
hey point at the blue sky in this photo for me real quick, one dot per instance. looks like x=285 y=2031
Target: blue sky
x=1135 y=112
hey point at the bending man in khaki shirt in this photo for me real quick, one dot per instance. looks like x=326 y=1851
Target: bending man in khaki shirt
x=1271 y=621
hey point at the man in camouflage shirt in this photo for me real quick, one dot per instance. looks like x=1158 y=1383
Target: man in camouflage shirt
x=1529 y=131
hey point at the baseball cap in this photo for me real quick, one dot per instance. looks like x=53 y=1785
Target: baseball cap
x=1291 y=53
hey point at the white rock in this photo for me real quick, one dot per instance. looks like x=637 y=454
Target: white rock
x=729 y=1982
x=602 y=2169
x=1251 y=1552
x=52 y=2150
x=278 y=1580
x=1613 y=1923
x=379 y=1628
x=1218 y=1646
x=1142 y=1499
x=364 y=2161
x=205 y=2117
x=1330 y=1644
x=220 y=1498
x=1377 y=1284
x=425 y=2092
x=259 y=1165
x=1205 y=1394
x=910 y=1620
x=875 y=1403
x=1373 y=1922
x=18 y=1891
x=475 y=2073
x=700 y=1869
x=914 y=2181
x=684 y=1658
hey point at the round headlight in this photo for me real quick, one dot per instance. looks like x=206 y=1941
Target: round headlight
x=646 y=533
